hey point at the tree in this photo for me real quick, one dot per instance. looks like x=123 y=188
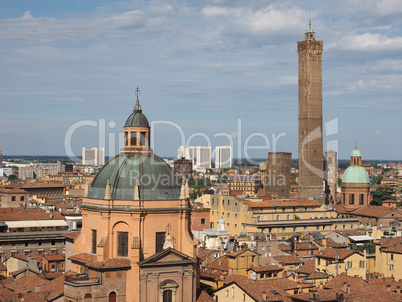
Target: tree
x=339 y=181
x=380 y=194
x=378 y=179
x=12 y=177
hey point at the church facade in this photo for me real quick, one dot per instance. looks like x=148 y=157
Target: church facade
x=136 y=243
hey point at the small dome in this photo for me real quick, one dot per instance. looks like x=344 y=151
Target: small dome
x=137 y=118
x=221 y=221
x=309 y=29
x=356 y=153
x=355 y=174
x=155 y=178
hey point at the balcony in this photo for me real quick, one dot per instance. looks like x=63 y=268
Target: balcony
x=81 y=280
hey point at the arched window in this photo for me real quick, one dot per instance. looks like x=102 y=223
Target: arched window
x=13 y=198
x=88 y=297
x=167 y=290
x=112 y=297
x=22 y=198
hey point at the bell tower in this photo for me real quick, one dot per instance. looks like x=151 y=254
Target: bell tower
x=311 y=164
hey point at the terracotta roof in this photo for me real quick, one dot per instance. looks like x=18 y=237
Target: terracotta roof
x=90 y=261
x=221 y=263
x=13 y=191
x=204 y=253
x=53 y=257
x=2 y=267
x=392 y=245
x=83 y=258
x=266 y=268
x=333 y=244
x=71 y=235
x=275 y=289
x=239 y=252
x=375 y=211
x=340 y=280
x=17 y=272
x=5 y=294
x=330 y=253
x=317 y=275
x=204 y=297
x=307 y=268
x=376 y=297
x=323 y=296
x=287 y=260
x=347 y=233
x=16 y=214
x=300 y=246
x=29 y=281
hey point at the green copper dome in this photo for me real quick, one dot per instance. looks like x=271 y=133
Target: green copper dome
x=355 y=174
x=355 y=153
x=137 y=118
x=155 y=178
x=309 y=29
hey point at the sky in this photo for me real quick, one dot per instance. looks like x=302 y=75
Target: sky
x=219 y=72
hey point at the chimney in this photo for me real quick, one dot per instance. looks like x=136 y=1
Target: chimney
x=37 y=288
x=24 y=290
x=264 y=295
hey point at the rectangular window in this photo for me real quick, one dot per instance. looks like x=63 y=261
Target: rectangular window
x=142 y=138
x=351 y=198
x=133 y=140
x=160 y=240
x=122 y=244
x=203 y=221
x=94 y=241
x=361 y=199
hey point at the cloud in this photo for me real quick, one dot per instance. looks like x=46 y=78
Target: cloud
x=370 y=42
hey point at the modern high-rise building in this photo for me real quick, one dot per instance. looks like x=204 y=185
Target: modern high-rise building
x=311 y=162
x=187 y=153
x=94 y=156
x=203 y=156
x=223 y=157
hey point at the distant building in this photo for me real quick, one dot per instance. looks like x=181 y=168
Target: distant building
x=277 y=177
x=187 y=153
x=355 y=185
x=1 y=159
x=203 y=156
x=223 y=157
x=37 y=171
x=94 y=156
x=332 y=174
x=183 y=168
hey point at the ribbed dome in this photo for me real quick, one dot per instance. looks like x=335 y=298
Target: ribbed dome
x=355 y=174
x=155 y=178
x=137 y=118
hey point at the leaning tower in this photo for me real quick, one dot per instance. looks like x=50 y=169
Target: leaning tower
x=310 y=117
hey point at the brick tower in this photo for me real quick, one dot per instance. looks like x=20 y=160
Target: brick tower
x=310 y=117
